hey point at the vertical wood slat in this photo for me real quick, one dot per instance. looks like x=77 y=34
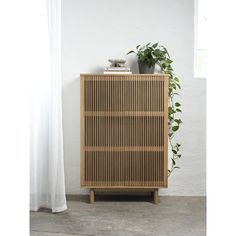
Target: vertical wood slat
x=124 y=168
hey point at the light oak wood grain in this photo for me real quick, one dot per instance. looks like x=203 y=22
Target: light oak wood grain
x=124 y=132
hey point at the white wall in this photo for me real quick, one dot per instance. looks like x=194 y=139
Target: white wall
x=94 y=31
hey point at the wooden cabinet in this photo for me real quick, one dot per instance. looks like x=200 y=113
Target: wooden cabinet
x=124 y=132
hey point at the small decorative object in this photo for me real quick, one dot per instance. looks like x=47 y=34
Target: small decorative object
x=117 y=62
x=148 y=56
x=117 y=66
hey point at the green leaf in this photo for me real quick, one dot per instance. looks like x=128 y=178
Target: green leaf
x=173 y=161
x=178 y=110
x=148 y=44
x=163 y=65
x=175 y=128
x=169 y=61
x=170 y=110
x=178 y=144
x=130 y=52
x=177 y=104
x=176 y=79
x=176 y=167
x=176 y=94
x=174 y=151
x=137 y=46
x=178 y=121
x=178 y=86
x=168 y=72
x=179 y=155
x=154 y=45
x=166 y=51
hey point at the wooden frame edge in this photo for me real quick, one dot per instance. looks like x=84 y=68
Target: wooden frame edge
x=82 y=127
x=166 y=99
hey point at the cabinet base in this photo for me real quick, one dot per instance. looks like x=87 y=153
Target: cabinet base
x=154 y=191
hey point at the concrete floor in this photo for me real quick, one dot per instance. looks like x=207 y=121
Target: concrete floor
x=124 y=216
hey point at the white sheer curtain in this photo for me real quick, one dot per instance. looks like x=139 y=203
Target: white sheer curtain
x=47 y=184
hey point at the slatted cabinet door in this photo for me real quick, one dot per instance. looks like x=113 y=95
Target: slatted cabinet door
x=124 y=131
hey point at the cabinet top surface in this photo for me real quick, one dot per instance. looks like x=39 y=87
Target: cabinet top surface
x=125 y=75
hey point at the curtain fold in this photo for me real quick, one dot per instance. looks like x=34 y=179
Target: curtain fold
x=47 y=181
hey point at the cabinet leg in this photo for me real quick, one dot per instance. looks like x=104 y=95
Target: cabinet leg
x=91 y=196
x=155 y=196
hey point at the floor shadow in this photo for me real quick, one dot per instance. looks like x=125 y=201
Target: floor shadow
x=106 y=197
x=122 y=198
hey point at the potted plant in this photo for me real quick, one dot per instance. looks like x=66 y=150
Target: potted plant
x=148 y=56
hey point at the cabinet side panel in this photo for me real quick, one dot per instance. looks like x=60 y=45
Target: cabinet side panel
x=82 y=133
x=166 y=98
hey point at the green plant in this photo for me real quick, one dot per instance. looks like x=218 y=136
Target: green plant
x=157 y=54
x=150 y=54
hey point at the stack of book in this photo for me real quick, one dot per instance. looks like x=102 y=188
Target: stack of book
x=117 y=70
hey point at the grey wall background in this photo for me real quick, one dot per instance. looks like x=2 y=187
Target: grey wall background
x=92 y=32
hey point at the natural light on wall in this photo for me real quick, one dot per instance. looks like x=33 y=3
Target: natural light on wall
x=200 y=54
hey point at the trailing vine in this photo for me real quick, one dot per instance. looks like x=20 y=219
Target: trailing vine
x=174 y=109
x=155 y=54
